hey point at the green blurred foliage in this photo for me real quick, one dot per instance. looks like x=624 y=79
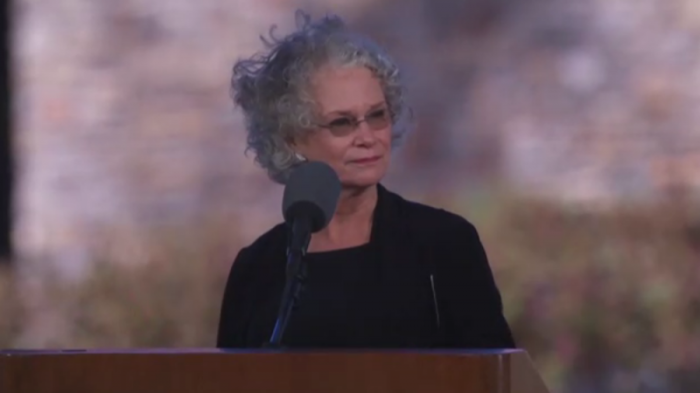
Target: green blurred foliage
x=592 y=291
x=11 y=309
x=585 y=292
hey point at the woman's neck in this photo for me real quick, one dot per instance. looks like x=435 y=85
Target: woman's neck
x=354 y=202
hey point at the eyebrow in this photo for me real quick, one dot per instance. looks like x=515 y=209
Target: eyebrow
x=350 y=113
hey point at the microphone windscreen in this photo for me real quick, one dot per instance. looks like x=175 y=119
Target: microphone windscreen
x=312 y=189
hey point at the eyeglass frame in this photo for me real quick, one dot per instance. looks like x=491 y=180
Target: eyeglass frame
x=356 y=121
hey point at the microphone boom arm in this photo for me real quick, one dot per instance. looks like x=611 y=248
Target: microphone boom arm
x=300 y=237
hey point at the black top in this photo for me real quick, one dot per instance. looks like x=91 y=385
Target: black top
x=423 y=281
x=339 y=304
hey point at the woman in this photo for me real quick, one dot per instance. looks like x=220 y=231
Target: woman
x=385 y=272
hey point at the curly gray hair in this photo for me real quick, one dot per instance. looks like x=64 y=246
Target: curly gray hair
x=272 y=88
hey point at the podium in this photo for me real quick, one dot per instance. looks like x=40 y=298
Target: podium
x=267 y=371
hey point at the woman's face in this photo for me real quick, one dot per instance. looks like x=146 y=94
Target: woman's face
x=354 y=132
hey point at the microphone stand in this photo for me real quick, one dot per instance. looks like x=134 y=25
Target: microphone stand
x=300 y=237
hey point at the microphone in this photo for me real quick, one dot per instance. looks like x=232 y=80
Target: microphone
x=309 y=202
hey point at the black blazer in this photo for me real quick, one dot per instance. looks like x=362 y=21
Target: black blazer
x=412 y=242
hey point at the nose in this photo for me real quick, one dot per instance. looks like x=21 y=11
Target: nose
x=364 y=135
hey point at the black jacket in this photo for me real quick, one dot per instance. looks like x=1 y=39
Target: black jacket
x=412 y=242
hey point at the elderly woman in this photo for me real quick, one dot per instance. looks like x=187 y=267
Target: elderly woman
x=385 y=272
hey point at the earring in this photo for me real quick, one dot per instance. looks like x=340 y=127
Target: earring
x=299 y=157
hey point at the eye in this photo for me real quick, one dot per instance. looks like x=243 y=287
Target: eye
x=341 y=122
x=378 y=114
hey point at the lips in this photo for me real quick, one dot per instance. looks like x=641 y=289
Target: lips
x=367 y=160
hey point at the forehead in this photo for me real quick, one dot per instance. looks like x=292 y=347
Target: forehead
x=345 y=89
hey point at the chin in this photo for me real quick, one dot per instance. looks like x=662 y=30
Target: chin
x=363 y=180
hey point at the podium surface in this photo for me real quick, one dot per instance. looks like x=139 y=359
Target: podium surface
x=268 y=371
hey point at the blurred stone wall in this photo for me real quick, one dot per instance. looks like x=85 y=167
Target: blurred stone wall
x=586 y=101
x=124 y=124
x=605 y=101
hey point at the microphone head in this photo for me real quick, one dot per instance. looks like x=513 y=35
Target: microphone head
x=311 y=192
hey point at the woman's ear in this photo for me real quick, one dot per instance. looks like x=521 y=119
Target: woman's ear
x=293 y=147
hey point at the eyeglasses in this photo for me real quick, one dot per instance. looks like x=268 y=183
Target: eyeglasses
x=376 y=120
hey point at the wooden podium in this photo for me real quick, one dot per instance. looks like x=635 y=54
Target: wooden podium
x=267 y=371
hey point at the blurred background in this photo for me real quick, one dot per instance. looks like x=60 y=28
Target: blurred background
x=568 y=131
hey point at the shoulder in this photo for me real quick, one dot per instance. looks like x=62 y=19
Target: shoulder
x=273 y=238
x=450 y=242
x=262 y=251
x=433 y=219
